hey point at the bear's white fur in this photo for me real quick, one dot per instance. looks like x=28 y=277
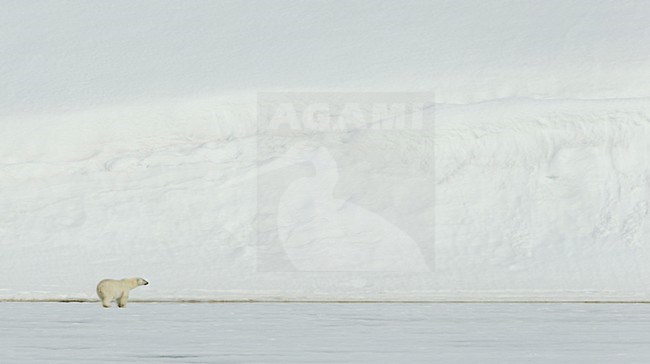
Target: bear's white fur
x=114 y=289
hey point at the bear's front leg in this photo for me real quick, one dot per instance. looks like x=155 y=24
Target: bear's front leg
x=121 y=302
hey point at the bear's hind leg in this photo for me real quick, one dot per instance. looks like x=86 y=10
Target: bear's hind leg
x=106 y=299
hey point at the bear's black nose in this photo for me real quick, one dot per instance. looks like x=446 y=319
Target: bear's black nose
x=145 y=283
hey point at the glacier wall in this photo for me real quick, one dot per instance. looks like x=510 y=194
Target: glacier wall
x=129 y=145
x=510 y=199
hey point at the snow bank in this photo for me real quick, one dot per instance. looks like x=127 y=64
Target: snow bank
x=129 y=145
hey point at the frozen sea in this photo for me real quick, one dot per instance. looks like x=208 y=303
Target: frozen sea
x=324 y=333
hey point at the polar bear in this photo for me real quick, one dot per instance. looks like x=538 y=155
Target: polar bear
x=114 y=289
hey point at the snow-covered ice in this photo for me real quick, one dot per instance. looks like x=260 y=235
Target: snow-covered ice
x=325 y=333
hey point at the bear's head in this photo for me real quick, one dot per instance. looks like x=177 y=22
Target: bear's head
x=142 y=282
